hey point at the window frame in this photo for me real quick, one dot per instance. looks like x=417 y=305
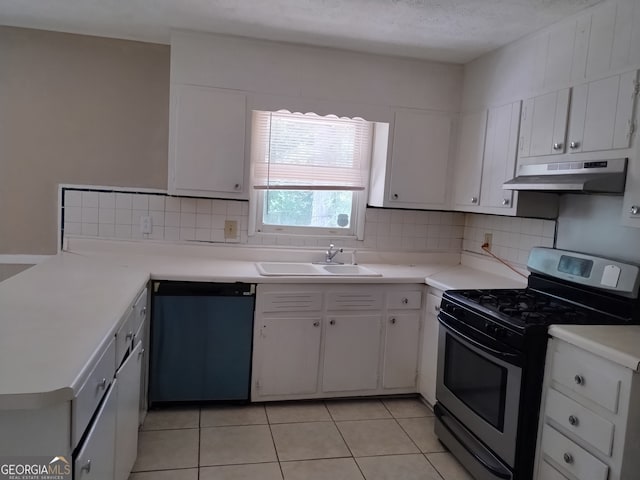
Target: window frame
x=358 y=209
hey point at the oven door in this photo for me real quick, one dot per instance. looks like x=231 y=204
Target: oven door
x=479 y=383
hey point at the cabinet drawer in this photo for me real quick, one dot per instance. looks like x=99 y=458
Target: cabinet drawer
x=587 y=375
x=124 y=336
x=84 y=404
x=355 y=300
x=140 y=310
x=404 y=300
x=95 y=460
x=547 y=472
x=571 y=457
x=581 y=421
x=289 y=302
x=131 y=325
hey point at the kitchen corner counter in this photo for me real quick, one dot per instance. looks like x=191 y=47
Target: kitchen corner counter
x=55 y=320
x=476 y=272
x=617 y=343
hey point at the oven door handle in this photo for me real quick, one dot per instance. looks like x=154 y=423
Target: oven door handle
x=509 y=357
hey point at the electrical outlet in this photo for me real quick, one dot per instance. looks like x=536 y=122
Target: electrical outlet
x=145 y=224
x=488 y=240
x=230 y=229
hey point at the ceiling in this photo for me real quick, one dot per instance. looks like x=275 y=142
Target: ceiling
x=442 y=30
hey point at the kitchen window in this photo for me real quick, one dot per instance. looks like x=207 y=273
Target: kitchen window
x=309 y=173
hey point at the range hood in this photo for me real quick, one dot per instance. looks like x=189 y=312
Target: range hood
x=602 y=176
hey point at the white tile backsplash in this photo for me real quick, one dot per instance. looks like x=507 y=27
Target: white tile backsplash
x=113 y=214
x=513 y=237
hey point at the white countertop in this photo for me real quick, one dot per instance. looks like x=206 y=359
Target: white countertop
x=617 y=343
x=57 y=318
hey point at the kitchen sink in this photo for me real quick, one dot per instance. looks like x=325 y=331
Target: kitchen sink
x=311 y=269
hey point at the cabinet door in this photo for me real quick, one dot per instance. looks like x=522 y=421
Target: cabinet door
x=500 y=155
x=468 y=167
x=544 y=124
x=95 y=459
x=429 y=350
x=420 y=158
x=128 y=408
x=351 y=352
x=288 y=350
x=602 y=114
x=401 y=351
x=208 y=139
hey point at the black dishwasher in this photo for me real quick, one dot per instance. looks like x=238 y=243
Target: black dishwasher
x=201 y=339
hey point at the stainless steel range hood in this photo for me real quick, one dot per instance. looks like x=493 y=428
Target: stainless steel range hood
x=602 y=176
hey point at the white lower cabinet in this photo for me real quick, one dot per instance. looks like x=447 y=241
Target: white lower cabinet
x=429 y=347
x=95 y=458
x=98 y=427
x=128 y=407
x=291 y=354
x=335 y=341
x=351 y=352
x=400 y=367
x=589 y=428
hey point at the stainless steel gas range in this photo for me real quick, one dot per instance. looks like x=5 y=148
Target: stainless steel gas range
x=491 y=351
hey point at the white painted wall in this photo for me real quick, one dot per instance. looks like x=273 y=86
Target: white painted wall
x=350 y=82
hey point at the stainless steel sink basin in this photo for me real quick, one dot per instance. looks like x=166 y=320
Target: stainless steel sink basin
x=309 y=269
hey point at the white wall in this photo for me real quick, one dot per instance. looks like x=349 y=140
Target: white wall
x=601 y=41
x=348 y=83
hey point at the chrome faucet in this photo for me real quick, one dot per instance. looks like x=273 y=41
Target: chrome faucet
x=330 y=253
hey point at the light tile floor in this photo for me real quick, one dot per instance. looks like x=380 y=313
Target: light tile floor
x=326 y=440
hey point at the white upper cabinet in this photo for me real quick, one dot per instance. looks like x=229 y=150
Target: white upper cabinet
x=543 y=127
x=468 y=164
x=500 y=155
x=418 y=172
x=602 y=114
x=207 y=142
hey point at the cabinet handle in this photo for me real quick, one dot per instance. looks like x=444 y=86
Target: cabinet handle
x=102 y=383
x=332 y=322
x=87 y=466
x=395 y=196
x=437 y=308
x=579 y=379
x=557 y=146
x=393 y=321
x=574 y=145
x=143 y=311
x=505 y=201
x=128 y=336
x=634 y=210
x=316 y=324
x=568 y=458
x=236 y=186
x=573 y=420
x=141 y=352
x=405 y=300
x=474 y=199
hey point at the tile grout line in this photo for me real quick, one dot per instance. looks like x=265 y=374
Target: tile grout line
x=273 y=440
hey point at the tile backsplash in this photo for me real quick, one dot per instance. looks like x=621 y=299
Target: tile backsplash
x=513 y=237
x=116 y=215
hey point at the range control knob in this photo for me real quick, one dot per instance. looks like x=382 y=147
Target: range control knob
x=490 y=328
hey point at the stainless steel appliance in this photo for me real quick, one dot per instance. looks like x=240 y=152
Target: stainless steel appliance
x=602 y=176
x=492 y=345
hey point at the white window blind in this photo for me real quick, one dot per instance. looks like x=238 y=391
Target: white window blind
x=295 y=151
